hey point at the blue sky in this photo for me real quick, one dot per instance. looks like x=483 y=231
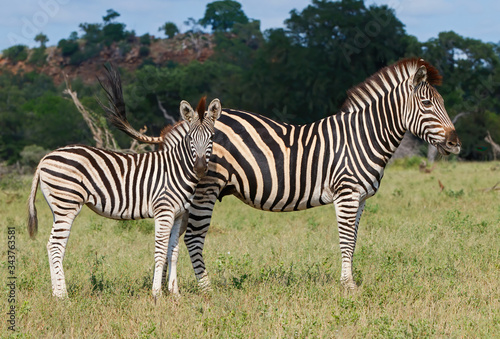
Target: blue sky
x=21 y=21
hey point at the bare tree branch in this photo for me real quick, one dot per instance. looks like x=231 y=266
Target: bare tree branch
x=102 y=136
x=458 y=116
x=164 y=111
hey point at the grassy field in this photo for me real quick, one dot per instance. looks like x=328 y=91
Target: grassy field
x=427 y=262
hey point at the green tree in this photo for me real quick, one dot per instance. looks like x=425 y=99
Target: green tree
x=113 y=32
x=327 y=48
x=471 y=87
x=49 y=113
x=111 y=14
x=223 y=14
x=42 y=39
x=169 y=28
x=92 y=32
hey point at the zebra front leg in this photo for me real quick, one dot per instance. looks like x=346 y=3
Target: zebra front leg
x=163 y=226
x=178 y=228
x=348 y=209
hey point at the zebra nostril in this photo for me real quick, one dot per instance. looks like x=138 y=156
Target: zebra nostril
x=451 y=144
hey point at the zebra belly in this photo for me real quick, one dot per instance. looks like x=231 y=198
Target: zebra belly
x=121 y=205
x=284 y=203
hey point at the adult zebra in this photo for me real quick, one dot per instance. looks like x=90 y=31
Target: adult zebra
x=340 y=159
x=116 y=185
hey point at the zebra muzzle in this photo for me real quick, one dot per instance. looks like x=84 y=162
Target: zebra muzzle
x=200 y=166
x=450 y=145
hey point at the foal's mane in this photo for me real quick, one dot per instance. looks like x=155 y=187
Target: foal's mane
x=201 y=107
x=402 y=68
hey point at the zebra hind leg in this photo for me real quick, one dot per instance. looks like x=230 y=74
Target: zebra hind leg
x=195 y=240
x=56 y=248
x=198 y=221
x=348 y=209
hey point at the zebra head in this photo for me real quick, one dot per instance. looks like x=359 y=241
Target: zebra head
x=201 y=131
x=426 y=116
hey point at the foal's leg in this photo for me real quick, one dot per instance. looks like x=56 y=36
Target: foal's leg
x=179 y=227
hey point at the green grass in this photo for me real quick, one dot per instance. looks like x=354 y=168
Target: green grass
x=427 y=262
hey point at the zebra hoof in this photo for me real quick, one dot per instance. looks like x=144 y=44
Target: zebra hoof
x=156 y=295
x=60 y=294
x=349 y=286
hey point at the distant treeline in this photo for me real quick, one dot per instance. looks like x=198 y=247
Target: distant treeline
x=297 y=74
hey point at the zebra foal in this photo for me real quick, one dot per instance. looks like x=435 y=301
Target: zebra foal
x=158 y=184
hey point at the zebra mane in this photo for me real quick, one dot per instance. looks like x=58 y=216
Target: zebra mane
x=201 y=107
x=398 y=72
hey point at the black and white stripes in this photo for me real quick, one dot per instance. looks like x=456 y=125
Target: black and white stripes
x=155 y=185
x=340 y=159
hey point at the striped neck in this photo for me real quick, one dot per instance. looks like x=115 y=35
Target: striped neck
x=378 y=105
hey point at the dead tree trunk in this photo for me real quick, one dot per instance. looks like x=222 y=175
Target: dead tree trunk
x=495 y=147
x=100 y=132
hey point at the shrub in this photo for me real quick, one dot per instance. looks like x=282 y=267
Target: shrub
x=145 y=39
x=124 y=47
x=16 y=53
x=68 y=47
x=88 y=52
x=38 y=57
x=32 y=154
x=144 y=51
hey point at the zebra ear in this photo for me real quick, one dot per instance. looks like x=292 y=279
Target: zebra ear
x=187 y=112
x=214 y=110
x=420 y=76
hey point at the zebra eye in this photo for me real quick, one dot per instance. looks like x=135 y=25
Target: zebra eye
x=426 y=102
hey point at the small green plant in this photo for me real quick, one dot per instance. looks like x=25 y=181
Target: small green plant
x=96 y=226
x=408 y=162
x=372 y=208
x=312 y=223
x=454 y=194
x=145 y=226
x=97 y=280
x=238 y=282
x=398 y=192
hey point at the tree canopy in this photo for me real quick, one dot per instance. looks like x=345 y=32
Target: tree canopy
x=299 y=73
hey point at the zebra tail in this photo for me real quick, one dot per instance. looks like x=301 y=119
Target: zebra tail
x=115 y=110
x=32 y=215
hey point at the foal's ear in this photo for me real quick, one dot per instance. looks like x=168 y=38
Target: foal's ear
x=420 y=76
x=187 y=112
x=214 y=110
